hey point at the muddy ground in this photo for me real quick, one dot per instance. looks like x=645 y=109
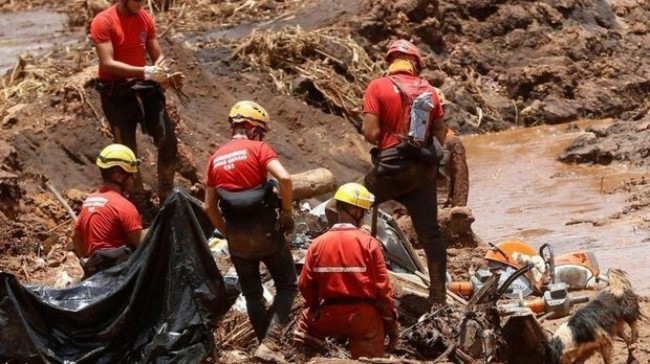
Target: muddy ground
x=500 y=64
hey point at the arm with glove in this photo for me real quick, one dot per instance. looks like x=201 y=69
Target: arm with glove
x=161 y=71
x=278 y=171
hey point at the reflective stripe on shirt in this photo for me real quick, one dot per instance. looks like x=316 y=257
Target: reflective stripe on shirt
x=339 y=269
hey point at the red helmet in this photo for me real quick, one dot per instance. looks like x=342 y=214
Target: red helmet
x=405 y=47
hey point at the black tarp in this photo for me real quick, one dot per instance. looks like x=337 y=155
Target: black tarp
x=160 y=306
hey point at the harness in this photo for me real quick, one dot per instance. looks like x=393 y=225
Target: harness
x=236 y=204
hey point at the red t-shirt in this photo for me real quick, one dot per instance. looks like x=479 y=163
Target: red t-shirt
x=346 y=262
x=128 y=33
x=383 y=99
x=239 y=164
x=106 y=219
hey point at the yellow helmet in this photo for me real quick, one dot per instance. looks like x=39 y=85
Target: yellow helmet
x=251 y=112
x=441 y=96
x=355 y=194
x=118 y=155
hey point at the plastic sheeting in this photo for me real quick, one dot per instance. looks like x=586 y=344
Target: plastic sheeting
x=160 y=306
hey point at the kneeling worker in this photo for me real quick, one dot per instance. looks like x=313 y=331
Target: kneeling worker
x=345 y=283
x=109 y=225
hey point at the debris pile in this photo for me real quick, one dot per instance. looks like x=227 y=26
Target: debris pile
x=326 y=65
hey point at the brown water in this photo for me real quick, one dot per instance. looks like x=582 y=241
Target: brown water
x=30 y=32
x=520 y=191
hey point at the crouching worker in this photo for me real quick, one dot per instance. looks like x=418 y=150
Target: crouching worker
x=243 y=205
x=346 y=286
x=108 y=227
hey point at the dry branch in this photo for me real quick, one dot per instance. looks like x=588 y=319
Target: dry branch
x=326 y=60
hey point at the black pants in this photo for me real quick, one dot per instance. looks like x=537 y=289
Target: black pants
x=414 y=186
x=267 y=324
x=130 y=104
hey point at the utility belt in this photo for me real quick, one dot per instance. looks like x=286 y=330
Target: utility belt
x=247 y=202
x=126 y=88
x=251 y=220
x=138 y=100
x=347 y=301
x=404 y=155
x=429 y=155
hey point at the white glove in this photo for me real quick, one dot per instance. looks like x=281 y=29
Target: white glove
x=155 y=73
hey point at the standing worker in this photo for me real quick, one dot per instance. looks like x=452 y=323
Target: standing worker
x=453 y=173
x=406 y=156
x=242 y=204
x=133 y=92
x=345 y=283
x=108 y=226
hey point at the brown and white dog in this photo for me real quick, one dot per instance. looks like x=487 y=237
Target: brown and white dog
x=593 y=326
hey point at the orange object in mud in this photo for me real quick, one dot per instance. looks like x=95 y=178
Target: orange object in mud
x=579 y=270
x=462 y=288
x=502 y=252
x=537 y=305
x=584 y=259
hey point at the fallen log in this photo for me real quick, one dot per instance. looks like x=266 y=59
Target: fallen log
x=312 y=183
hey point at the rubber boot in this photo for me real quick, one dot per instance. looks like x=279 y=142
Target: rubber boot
x=141 y=198
x=166 y=173
x=437 y=288
x=269 y=350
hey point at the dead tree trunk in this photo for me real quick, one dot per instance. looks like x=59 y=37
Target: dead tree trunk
x=312 y=183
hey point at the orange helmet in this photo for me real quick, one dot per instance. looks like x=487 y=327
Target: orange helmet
x=405 y=47
x=504 y=250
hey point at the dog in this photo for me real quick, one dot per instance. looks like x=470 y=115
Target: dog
x=593 y=326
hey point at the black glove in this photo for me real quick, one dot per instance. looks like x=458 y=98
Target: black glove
x=286 y=221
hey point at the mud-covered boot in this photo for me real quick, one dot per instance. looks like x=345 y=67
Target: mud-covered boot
x=438 y=307
x=437 y=288
x=146 y=209
x=269 y=352
x=166 y=173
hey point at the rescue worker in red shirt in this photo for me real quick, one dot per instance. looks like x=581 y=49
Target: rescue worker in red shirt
x=401 y=172
x=345 y=283
x=108 y=226
x=453 y=173
x=132 y=92
x=243 y=205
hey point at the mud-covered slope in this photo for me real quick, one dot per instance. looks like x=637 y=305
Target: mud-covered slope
x=500 y=63
x=526 y=62
x=624 y=141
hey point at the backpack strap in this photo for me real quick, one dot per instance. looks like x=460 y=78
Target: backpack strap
x=406 y=118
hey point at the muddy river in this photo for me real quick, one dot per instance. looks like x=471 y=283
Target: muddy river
x=519 y=191
x=30 y=32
